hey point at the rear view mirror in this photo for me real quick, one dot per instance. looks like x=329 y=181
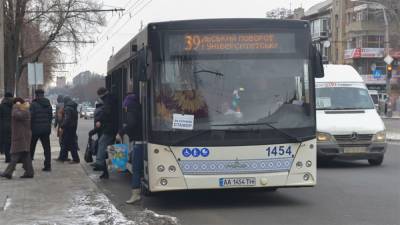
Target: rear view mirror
x=318 y=68
x=142 y=65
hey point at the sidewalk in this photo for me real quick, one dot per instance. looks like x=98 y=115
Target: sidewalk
x=393 y=136
x=64 y=196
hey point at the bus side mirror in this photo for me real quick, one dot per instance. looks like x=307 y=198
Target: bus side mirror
x=317 y=64
x=142 y=65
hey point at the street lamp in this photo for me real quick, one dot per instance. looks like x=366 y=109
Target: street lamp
x=387 y=47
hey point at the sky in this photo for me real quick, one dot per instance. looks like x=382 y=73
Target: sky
x=121 y=27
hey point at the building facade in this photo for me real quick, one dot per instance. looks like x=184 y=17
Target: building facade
x=82 y=78
x=61 y=82
x=353 y=32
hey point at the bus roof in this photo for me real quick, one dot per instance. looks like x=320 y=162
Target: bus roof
x=340 y=73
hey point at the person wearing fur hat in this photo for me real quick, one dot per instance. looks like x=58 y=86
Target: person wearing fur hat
x=20 y=139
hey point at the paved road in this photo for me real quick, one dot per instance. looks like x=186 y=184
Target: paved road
x=348 y=193
x=392 y=125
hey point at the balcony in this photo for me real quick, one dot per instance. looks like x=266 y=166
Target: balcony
x=320 y=35
x=369 y=26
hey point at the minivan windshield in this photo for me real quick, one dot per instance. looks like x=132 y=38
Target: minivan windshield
x=343 y=98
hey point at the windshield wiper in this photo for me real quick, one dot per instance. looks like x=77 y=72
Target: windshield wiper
x=209 y=71
x=292 y=137
x=189 y=137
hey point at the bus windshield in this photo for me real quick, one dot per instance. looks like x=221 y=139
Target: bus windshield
x=233 y=84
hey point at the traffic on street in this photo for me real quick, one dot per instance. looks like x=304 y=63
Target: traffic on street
x=200 y=113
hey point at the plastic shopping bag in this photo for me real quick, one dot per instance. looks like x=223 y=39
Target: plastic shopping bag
x=119 y=156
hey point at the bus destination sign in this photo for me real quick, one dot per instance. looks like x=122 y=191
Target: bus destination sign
x=231 y=43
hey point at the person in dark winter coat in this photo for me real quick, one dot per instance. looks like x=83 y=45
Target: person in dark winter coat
x=68 y=130
x=59 y=111
x=57 y=124
x=41 y=117
x=109 y=124
x=96 y=130
x=5 y=125
x=133 y=127
x=21 y=140
x=97 y=116
x=133 y=124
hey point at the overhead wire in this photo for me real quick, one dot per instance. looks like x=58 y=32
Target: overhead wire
x=127 y=12
x=120 y=27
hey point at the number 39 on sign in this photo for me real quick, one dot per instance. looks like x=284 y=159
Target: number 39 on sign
x=279 y=151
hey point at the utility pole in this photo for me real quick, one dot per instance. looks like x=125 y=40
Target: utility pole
x=2 y=75
x=387 y=53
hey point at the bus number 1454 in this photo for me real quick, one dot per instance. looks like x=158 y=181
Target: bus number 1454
x=279 y=151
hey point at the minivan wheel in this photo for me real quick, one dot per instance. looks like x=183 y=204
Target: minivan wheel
x=376 y=162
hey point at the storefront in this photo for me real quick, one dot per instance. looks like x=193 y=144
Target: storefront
x=370 y=64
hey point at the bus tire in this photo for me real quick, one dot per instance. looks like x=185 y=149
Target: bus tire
x=376 y=161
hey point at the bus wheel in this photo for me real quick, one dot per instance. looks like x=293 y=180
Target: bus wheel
x=376 y=162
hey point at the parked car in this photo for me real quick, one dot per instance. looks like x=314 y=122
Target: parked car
x=89 y=113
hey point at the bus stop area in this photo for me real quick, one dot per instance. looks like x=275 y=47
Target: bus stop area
x=66 y=195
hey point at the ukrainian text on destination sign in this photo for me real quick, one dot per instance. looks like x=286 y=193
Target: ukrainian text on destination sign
x=200 y=42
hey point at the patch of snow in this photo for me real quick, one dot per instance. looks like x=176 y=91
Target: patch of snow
x=7 y=203
x=96 y=208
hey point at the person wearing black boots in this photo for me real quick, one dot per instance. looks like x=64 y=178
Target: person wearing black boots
x=109 y=126
x=68 y=129
x=41 y=118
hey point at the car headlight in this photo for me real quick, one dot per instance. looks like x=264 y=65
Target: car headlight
x=380 y=136
x=324 y=137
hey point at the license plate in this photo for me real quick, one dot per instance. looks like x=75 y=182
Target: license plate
x=355 y=150
x=237 y=182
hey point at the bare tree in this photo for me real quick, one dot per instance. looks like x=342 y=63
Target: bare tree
x=60 y=20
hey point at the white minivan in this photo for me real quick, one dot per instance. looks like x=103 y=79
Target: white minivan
x=348 y=126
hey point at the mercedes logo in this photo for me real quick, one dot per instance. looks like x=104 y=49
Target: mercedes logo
x=354 y=136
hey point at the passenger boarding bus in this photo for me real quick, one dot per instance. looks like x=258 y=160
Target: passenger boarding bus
x=226 y=103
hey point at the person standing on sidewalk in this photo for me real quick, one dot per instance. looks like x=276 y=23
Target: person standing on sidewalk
x=96 y=130
x=133 y=128
x=109 y=124
x=5 y=125
x=57 y=125
x=41 y=117
x=68 y=129
x=21 y=139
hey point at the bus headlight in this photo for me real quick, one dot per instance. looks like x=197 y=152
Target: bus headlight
x=160 y=168
x=163 y=181
x=324 y=137
x=380 y=136
x=171 y=169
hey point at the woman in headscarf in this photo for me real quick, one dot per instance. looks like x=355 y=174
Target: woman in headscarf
x=20 y=139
